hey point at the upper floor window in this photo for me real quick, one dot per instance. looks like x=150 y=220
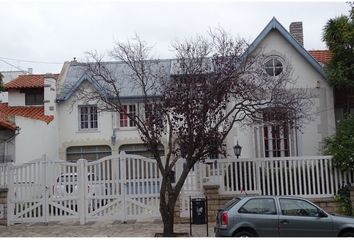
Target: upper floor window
x=124 y=120
x=88 y=117
x=273 y=66
x=34 y=96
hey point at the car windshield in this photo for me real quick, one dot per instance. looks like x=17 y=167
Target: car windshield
x=231 y=203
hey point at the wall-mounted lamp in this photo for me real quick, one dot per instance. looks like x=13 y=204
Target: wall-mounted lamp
x=113 y=137
x=237 y=150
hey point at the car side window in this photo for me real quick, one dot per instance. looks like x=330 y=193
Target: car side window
x=297 y=207
x=259 y=206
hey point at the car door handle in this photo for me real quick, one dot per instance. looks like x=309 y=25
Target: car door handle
x=284 y=221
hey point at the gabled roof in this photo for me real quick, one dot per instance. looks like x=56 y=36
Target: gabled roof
x=31 y=112
x=28 y=81
x=275 y=25
x=322 y=56
x=6 y=122
x=75 y=73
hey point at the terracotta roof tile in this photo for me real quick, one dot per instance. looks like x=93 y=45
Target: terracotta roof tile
x=36 y=113
x=6 y=122
x=28 y=81
x=322 y=56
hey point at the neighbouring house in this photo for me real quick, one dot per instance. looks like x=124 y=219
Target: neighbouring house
x=340 y=101
x=28 y=124
x=86 y=133
x=9 y=76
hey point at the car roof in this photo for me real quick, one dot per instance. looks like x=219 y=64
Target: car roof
x=269 y=196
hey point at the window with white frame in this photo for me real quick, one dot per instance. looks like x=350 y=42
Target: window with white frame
x=274 y=139
x=273 y=66
x=124 y=120
x=88 y=117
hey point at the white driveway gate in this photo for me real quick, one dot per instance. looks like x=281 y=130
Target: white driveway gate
x=121 y=187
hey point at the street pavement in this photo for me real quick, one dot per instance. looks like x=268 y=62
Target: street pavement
x=98 y=229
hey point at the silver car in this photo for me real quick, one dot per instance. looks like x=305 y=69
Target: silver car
x=277 y=216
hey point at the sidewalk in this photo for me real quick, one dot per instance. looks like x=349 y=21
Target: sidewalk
x=98 y=229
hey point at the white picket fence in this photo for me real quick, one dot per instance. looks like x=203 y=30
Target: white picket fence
x=309 y=177
x=121 y=187
x=127 y=186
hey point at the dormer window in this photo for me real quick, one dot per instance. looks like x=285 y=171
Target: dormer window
x=273 y=66
x=34 y=96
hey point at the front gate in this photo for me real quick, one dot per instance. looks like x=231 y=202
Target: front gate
x=121 y=187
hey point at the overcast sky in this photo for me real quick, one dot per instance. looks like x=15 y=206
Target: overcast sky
x=57 y=31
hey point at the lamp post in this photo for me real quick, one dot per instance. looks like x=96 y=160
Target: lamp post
x=237 y=150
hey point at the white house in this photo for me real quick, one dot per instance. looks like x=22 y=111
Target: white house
x=28 y=120
x=85 y=132
x=50 y=122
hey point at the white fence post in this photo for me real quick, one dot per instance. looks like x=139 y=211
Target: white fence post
x=122 y=159
x=11 y=195
x=258 y=176
x=82 y=183
x=46 y=168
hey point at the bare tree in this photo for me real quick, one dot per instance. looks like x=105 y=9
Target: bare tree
x=194 y=100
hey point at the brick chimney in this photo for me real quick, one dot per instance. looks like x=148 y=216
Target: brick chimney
x=296 y=31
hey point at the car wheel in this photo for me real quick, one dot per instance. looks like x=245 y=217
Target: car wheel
x=347 y=234
x=244 y=234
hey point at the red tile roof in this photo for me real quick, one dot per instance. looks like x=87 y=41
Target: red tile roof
x=322 y=56
x=28 y=81
x=6 y=123
x=36 y=113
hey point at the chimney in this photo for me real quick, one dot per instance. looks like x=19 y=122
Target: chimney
x=296 y=31
x=29 y=70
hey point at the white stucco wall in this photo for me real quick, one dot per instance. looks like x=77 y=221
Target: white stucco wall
x=71 y=135
x=15 y=98
x=49 y=96
x=35 y=139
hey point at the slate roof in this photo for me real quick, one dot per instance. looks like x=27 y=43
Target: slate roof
x=31 y=112
x=76 y=74
x=28 y=81
x=322 y=56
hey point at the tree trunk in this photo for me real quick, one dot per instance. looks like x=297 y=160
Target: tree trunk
x=167 y=211
x=168 y=225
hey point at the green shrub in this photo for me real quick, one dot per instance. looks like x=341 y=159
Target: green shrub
x=341 y=145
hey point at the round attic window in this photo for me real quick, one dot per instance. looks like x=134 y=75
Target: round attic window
x=273 y=66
